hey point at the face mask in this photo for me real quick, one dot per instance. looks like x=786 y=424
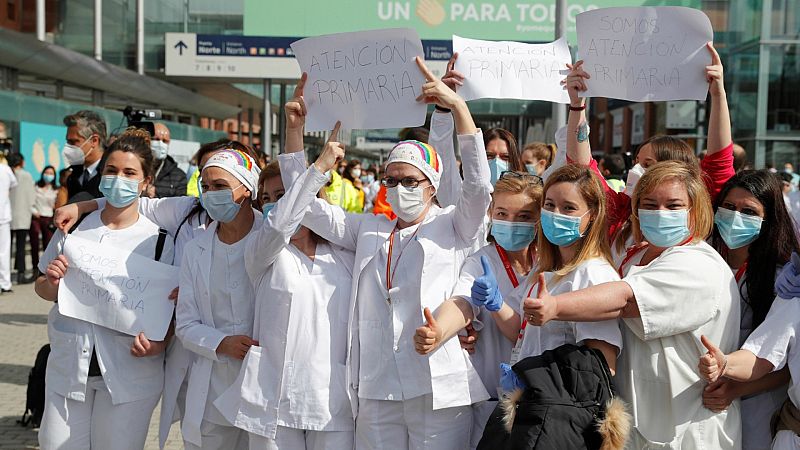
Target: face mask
x=664 y=228
x=737 y=229
x=367 y=179
x=266 y=208
x=119 y=191
x=160 y=149
x=355 y=173
x=513 y=236
x=531 y=168
x=634 y=174
x=73 y=155
x=220 y=205
x=341 y=170
x=48 y=178
x=561 y=229
x=496 y=167
x=407 y=203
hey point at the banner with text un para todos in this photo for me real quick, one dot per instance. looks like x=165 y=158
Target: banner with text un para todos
x=366 y=79
x=117 y=289
x=645 y=53
x=512 y=69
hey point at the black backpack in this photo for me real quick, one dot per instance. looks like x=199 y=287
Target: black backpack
x=34 y=397
x=569 y=404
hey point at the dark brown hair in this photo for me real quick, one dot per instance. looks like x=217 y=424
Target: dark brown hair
x=514 y=156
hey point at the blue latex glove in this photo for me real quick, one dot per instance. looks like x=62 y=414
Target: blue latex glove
x=787 y=284
x=485 y=292
x=509 y=381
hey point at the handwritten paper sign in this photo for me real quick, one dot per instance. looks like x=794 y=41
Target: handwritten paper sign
x=646 y=53
x=116 y=289
x=512 y=69
x=366 y=79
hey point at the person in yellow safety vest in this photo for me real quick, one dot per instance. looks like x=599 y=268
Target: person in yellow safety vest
x=191 y=186
x=340 y=192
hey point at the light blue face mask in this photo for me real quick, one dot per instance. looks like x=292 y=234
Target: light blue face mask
x=48 y=178
x=664 y=228
x=266 y=208
x=220 y=205
x=119 y=191
x=561 y=229
x=531 y=168
x=737 y=229
x=513 y=236
x=496 y=167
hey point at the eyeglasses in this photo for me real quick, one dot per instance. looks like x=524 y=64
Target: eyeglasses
x=407 y=182
x=511 y=175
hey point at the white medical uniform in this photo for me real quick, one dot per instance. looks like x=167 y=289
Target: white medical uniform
x=113 y=410
x=776 y=341
x=291 y=392
x=492 y=346
x=686 y=292
x=405 y=398
x=216 y=300
x=7 y=181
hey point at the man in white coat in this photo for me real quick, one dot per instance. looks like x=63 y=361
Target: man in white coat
x=405 y=400
x=7 y=182
x=22 y=198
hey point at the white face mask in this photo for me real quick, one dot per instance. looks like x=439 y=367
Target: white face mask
x=355 y=173
x=407 y=203
x=73 y=155
x=160 y=149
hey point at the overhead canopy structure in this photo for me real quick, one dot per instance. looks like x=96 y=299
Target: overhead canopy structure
x=27 y=54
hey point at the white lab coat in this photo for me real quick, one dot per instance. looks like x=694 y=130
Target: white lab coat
x=686 y=292
x=446 y=237
x=775 y=340
x=194 y=325
x=281 y=384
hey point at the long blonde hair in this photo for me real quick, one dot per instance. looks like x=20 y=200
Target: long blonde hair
x=701 y=214
x=594 y=243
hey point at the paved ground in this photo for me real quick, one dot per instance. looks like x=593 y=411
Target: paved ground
x=23 y=330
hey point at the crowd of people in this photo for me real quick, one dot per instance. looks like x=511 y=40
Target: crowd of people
x=431 y=303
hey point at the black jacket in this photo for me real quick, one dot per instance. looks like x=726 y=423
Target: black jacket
x=79 y=192
x=170 y=179
x=569 y=404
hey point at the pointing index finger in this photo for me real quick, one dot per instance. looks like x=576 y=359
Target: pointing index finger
x=334 y=137
x=301 y=85
x=424 y=69
x=715 y=59
x=452 y=63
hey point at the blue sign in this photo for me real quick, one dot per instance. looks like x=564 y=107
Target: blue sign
x=41 y=146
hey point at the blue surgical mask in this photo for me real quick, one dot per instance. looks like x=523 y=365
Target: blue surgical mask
x=513 y=236
x=664 y=228
x=220 y=205
x=737 y=229
x=496 y=167
x=531 y=168
x=48 y=178
x=561 y=229
x=119 y=191
x=266 y=208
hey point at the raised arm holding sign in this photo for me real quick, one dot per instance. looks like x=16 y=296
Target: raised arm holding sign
x=366 y=79
x=646 y=53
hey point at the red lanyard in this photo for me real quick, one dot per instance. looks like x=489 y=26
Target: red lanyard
x=389 y=272
x=633 y=251
x=507 y=265
x=740 y=272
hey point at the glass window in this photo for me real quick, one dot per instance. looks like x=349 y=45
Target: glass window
x=784 y=88
x=782 y=152
x=785 y=19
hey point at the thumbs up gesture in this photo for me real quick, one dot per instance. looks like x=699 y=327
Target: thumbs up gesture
x=543 y=308
x=712 y=365
x=428 y=336
x=485 y=292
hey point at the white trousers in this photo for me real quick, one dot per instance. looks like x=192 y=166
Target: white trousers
x=219 y=437
x=481 y=412
x=95 y=423
x=411 y=424
x=296 y=439
x=5 y=256
x=786 y=440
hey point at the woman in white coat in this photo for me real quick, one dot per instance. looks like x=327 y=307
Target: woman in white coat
x=214 y=314
x=291 y=393
x=406 y=400
x=102 y=385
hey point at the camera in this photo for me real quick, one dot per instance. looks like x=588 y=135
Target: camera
x=141 y=118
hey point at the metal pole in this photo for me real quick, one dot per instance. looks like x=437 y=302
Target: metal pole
x=98 y=30
x=266 y=120
x=762 y=103
x=40 y=24
x=559 y=111
x=239 y=125
x=140 y=36
x=185 y=16
x=250 y=126
x=282 y=121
